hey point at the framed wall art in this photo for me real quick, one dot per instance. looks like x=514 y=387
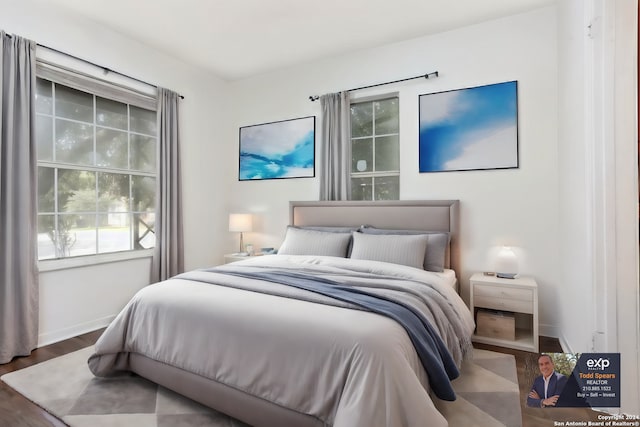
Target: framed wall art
x=283 y=149
x=469 y=129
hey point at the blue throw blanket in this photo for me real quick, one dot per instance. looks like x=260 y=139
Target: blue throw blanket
x=435 y=358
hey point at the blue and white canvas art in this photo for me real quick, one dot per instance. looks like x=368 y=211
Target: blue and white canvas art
x=284 y=149
x=469 y=129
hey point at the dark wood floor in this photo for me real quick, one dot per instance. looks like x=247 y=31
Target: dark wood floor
x=17 y=411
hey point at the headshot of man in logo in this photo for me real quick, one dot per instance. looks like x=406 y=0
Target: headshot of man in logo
x=547 y=387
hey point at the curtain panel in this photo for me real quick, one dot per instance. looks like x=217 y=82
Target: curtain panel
x=18 y=199
x=335 y=154
x=168 y=255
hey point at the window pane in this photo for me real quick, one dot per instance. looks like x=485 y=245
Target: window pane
x=387 y=154
x=46 y=196
x=114 y=233
x=76 y=191
x=143 y=121
x=68 y=239
x=79 y=231
x=44 y=99
x=111 y=148
x=44 y=137
x=143 y=193
x=387 y=188
x=74 y=104
x=144 y=199
x=143 y=153
x=386 y=116
x=74 y=142
x=144 y=236
x=362 y=155
x=111 y=113
x=361 y=189
x=113 y=192
x=361 y=120
x=46 y=231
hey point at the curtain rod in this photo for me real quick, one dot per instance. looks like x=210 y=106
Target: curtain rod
x=421 y=76
x=106 y=69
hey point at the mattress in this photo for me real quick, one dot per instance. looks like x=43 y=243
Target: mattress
x=449 y=276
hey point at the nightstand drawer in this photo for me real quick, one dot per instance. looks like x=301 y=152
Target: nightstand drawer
x=503 y=292
x=503 y=304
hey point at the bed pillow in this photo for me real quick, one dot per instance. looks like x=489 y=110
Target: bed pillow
x=330 y=229
x=327 y=229
x=398 y=249
x=299 y=241
x=437 y=244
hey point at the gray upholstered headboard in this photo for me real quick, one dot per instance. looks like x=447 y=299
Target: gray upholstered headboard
x=432 y=215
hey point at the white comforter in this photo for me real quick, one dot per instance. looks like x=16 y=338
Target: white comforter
x=347 y=367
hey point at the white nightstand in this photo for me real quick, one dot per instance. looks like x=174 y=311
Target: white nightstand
x=235 y=257
x=514 y=299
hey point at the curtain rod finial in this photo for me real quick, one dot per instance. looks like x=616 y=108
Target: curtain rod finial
x=314 y=98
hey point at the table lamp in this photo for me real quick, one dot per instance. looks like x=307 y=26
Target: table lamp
x=506 y=263
x=240 y=223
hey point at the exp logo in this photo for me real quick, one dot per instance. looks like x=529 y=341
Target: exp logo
x=599 y=364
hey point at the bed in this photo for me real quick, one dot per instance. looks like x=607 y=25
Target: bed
x=306 y=337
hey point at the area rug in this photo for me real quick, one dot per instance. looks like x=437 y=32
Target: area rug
x=487 y=394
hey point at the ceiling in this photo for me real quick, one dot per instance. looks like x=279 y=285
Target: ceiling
x=235 y=39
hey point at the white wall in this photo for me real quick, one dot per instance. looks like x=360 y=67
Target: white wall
x=83 y=299
x=76 y=300
x=518 y=206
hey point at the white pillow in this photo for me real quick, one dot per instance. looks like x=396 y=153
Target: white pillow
x=398 y=249
x=437 y=245
x=312 y=242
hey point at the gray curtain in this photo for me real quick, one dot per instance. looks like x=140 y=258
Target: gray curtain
x=18 y=199
x=168 y=259
x=335 y=154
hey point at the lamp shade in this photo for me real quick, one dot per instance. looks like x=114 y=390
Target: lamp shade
x=506 y=263
x=240 y=222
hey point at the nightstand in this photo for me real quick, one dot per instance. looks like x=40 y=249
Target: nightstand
x=235 y=257
x=501 y=304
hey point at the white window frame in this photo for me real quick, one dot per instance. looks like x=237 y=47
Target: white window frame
x=72 y=72
x=373 y=136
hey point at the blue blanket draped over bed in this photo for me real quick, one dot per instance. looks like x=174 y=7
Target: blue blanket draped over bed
x=435 y=358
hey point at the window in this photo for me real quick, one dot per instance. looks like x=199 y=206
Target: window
x=96 y=173
x=375 y=150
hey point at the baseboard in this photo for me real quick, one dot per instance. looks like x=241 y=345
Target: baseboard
x=549 y=331
x=73 y=331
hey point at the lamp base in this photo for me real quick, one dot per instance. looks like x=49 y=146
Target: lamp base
x=506 y=275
